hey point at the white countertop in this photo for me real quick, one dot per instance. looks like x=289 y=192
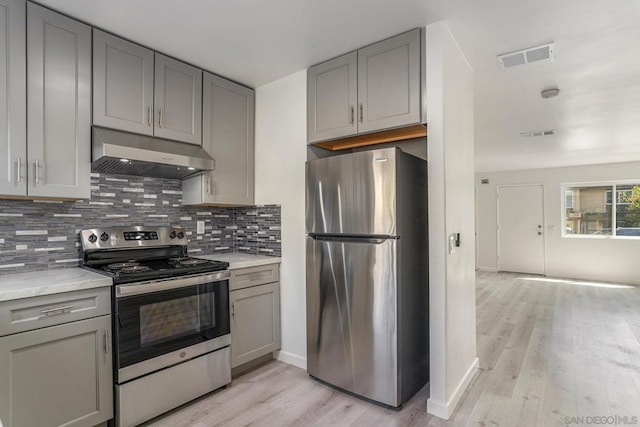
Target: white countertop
x=46 y=282
x=237 y=260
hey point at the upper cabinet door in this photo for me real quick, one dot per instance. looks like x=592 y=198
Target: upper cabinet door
x=389 y=83
x=332 y=98
x=228 y=129
x=13 y=98
x=122 y=84
x=59 y=104
x=178 y=101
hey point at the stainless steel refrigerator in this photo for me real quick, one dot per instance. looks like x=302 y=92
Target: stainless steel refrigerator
x=367 y=274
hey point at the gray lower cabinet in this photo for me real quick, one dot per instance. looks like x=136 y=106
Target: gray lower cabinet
x=13 y=98
x=58 y=105
x=378 y=87
x=228 y=136
x=177 y=100
x=255 y=313
x=56 y=360
x=122 y=84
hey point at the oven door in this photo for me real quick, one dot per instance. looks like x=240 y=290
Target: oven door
x=162 y=323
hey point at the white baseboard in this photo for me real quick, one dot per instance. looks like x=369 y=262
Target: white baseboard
x=438 y=409
x=488 y=269
x=445 y=410
x=291 y=359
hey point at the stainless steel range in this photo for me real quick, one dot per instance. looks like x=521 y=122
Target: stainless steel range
x=170 y=318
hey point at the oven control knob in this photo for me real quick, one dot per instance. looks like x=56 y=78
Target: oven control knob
x=181 y=235
x=104 y=237
x=93 y=238
x=172 y=234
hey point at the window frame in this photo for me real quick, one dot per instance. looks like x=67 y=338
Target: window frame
x=564 y=187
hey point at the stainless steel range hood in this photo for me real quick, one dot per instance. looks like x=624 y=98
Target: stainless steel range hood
x=124 y=153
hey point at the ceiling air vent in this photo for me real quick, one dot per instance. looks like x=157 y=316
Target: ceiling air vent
x=538 y=133
x=526 y=56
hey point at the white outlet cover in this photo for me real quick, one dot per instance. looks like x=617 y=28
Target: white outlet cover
x=200 y=227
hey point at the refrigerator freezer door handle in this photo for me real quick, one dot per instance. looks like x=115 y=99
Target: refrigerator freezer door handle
x=352 y=239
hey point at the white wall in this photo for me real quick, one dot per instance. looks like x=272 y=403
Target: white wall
x=580 y=258
x=281 y=132
x=451 y=206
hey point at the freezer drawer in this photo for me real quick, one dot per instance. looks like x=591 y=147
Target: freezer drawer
x=353 y=193
x=352 y=316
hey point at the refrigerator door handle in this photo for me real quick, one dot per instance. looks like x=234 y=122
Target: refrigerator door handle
x=352 y=239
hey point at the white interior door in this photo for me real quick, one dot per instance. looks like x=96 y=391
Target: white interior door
x=521 y=229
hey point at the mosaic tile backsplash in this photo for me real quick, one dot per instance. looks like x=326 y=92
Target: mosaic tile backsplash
x=38 y=235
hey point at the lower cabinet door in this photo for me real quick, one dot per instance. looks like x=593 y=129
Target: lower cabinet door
x=255 y=322
x=59 y=375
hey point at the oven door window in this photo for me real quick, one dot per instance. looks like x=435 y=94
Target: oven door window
x=153 y=324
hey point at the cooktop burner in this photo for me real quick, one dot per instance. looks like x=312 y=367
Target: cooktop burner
x=134 y=269
x=121 y=265
x=189 y=261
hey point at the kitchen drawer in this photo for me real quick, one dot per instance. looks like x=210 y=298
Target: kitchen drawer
x=47 y=310
x=252 y=276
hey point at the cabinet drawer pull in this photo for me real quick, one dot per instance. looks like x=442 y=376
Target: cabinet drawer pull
x=149 y=116
x=352 y=116
x=106 y=342
x=255 y=276
x=361 y=114
x=57 y=310
x=160 y=120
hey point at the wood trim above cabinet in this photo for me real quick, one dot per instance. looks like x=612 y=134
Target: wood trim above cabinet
x=399 y=134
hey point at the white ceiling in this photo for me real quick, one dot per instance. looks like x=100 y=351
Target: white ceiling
x=596 y=67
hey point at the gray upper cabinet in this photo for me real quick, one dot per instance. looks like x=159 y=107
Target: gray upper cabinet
x=389 y=83
x=228 y=136
x=378 y=87
x=58 y=105
x=13 y=98
x=122 y=84
x=178 y=100
x=332 y=98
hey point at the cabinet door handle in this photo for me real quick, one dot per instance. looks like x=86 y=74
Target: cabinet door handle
x=352 y=116
x=19 y=171
x=208 y=185
x=36 y=171
x=233 y=309
x=149 y=116
x=57 y=310
x=361 y=113
x=160 y=121
x=106 y=341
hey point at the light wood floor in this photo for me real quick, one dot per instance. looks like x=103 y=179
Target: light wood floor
x=548 y=349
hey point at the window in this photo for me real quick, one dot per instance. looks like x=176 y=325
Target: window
x=568 y=199
x=594 y=211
